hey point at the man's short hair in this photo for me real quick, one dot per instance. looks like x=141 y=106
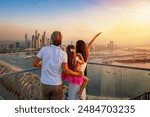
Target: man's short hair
x=54 y=35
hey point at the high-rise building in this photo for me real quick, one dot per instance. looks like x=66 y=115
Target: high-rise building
x=11 y=46
x=33 y=41
x=26 y=39
x=48 y=41
x=111 y=45
x=36 y=33
x=17 y=45
x=36 y=41
x=44 y=39
x=29 y=44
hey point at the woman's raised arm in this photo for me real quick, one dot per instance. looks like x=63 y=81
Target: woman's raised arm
x=91 y=42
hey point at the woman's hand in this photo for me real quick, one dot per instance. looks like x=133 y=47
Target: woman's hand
x=91 y=42
x=97 y=34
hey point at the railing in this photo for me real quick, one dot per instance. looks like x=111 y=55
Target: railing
x=109 y=81
x=120 y=66
x=106 y=82
x=145 y=96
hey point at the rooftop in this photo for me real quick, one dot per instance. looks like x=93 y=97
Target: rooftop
x=106 y=82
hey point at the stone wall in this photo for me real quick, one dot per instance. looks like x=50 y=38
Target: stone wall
x=24 y=86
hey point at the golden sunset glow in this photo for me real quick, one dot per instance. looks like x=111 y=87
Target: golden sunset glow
x=123 y=22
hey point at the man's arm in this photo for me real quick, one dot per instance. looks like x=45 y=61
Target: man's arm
x=67 y=71
x=36 y=62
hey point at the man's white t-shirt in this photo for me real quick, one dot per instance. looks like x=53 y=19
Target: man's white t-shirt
x=52 y=58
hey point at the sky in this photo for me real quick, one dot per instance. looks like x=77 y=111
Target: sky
x=126 y=22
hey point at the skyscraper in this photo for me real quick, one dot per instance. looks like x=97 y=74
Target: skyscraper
x=26 y=39
x=33 y=41
x=48 y=41
x=44 y=39
x=37 y=40
x=17 y=45
x=111 y=45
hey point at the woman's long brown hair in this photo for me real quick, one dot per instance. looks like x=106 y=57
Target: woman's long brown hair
x=81 y=48
x=71 y=57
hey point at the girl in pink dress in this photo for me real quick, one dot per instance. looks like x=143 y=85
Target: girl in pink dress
x=74 y=62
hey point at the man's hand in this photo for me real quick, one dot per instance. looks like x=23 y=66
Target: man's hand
x=39 y=65
x=67 y=71
x=36 y=62
x=79 y=73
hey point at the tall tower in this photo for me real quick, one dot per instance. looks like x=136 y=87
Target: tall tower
x=37 y=40
x=33 y=41
x=111 y=45
x=26 y=40
x=44 y=39
x=36 y=33
x=48 y=41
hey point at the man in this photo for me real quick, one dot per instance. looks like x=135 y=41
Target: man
x=54 y=61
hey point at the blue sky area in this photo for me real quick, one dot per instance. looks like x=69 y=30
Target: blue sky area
x=47 y=7
x=122 y=21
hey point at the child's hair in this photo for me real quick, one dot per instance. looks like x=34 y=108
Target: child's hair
x=71 y=52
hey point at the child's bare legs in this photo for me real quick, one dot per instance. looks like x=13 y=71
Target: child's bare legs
x=83 y=85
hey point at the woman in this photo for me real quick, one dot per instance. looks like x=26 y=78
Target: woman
x=84 y=50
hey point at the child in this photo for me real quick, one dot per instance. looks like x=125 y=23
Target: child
x=74 y=62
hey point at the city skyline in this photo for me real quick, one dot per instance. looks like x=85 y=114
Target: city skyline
x=125 y=22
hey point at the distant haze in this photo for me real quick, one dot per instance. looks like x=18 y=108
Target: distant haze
x=126 y=22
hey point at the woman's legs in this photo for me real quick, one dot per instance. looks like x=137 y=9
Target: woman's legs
x=83 y=85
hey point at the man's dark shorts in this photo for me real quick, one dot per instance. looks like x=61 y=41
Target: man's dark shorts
x=51 y=92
